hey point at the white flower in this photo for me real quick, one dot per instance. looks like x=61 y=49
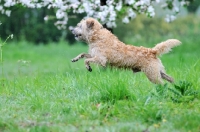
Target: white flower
x=109 y=2
x=11 y=36
x=74 y=5
x=151 y=12
x=86 y=7
x=1 y=7
x=176 y=9
x=60 y=14
x=71 y=27
x=170 y=18
x=101 y=16
x=119 y=6
x=8 y=12
x=111 y=24
x=184 y=3
x=106 y=14
x=125 y=20
x=150 y=9
x=9 y=3
x=39 y=5
x=64 y=7
x=46 y=18
x=129 y=2
x=49 y=6
x=97 y=2
x=139 y=3
x=131 y=13
x=157 y=1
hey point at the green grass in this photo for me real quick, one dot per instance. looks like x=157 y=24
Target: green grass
x=41 y=90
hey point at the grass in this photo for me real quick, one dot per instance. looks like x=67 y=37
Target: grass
x=42 y=91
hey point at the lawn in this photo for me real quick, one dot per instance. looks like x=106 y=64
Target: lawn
x=41 y=90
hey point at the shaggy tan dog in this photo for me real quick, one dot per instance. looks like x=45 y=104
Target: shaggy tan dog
x=105 y=48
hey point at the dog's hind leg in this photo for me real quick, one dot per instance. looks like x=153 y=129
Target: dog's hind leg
x=153 y=74
x=166 y=77
x=82 y=55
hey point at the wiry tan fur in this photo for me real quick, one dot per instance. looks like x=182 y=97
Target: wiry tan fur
x=105 y=48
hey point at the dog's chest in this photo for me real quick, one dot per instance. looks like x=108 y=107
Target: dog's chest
x=93 y=51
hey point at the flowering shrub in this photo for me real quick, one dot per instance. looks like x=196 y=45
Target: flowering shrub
x=107 y=14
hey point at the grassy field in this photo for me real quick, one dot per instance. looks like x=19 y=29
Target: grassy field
x=41 y=90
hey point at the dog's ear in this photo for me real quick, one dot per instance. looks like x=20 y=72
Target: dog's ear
x=90 y=23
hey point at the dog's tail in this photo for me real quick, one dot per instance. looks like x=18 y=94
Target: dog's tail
x=165 y=47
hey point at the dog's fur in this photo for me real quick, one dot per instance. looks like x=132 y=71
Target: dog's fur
x=105 y=48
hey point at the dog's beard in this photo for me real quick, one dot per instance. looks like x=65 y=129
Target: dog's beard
x=76 y=37
x=79 y=37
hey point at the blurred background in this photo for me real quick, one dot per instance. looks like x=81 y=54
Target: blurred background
x=29 y=25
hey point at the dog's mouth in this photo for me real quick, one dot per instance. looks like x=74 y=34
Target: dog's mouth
x=77 y=35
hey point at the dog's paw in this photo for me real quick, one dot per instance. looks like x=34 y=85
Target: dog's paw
x=74 y=60
x=89 y=69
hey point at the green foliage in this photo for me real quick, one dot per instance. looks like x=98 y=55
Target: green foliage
x=193 y=6
x=29 y=24
x=184 y=92
x=2 y=44
x=106 y=93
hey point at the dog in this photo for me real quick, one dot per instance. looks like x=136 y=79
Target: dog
x=105 y=48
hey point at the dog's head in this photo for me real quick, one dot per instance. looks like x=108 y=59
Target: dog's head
x=85 y=28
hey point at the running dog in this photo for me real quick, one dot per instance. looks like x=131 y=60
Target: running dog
x=105 y=48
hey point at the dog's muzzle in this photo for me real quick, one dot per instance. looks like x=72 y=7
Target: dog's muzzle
x=76 y=35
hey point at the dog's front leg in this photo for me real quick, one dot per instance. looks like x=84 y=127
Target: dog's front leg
x=95 y=59
x=82 y=55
